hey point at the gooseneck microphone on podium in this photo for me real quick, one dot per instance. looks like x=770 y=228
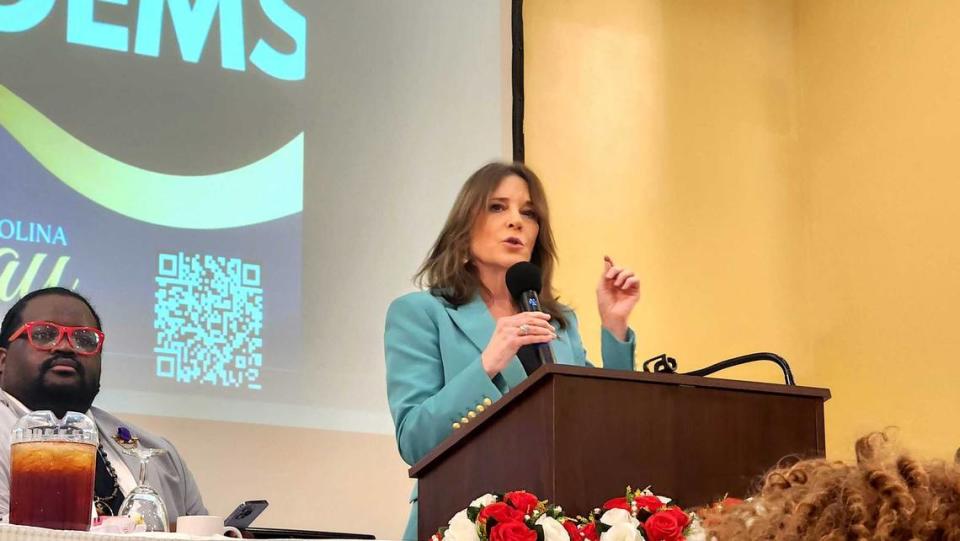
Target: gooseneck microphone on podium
x=666 y=364
x=524 y=281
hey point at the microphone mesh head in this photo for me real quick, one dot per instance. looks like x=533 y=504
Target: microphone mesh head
x=523 y=276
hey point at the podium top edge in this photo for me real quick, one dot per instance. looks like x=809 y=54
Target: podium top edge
x=546 y=372
x=685 y=380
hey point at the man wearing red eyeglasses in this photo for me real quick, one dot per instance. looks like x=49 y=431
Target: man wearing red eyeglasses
x=50 y=345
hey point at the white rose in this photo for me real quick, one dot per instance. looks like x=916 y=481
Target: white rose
x=552 y=529
x=619 y=516
x=461 y=528
x=621 y=532
x=484 y=500
x=695 y=530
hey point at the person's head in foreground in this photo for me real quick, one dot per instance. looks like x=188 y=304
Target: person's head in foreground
x=886 y=495
x=50 y=344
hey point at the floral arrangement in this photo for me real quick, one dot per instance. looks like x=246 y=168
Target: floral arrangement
x=514 y=516
x=711 y=515
x=639 y=515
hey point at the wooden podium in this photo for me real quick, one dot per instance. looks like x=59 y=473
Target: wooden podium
x=577 y=436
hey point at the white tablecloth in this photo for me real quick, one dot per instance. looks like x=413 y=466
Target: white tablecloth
x=10 y=532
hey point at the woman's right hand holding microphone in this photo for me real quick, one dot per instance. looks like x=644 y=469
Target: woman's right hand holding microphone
x=511 y=333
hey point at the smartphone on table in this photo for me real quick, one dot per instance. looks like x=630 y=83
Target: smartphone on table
x=245 y=513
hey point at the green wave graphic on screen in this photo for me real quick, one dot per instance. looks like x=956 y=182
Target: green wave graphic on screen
x=265 y=190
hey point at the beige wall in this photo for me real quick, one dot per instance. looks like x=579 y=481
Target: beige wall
x=780 y=175
x=313 y=479
x=666 y=133
x=879 y=114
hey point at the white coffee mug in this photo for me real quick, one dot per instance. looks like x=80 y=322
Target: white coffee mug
x=205 y=526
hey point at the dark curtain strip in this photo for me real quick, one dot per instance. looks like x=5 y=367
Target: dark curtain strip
x=517 y=32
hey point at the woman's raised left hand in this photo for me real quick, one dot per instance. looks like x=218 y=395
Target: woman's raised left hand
x=617 y=294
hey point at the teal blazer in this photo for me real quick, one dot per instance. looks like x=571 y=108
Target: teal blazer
x=434 y=375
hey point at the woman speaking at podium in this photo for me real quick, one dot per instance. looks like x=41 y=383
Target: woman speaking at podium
x=451 y=350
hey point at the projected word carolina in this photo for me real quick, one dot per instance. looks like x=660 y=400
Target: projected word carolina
x=191 y=21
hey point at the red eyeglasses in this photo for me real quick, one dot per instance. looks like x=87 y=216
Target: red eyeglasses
x=45 y=335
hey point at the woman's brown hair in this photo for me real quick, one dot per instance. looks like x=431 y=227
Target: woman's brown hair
x=448 y=270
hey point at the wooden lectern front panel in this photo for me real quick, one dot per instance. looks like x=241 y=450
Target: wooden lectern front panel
x=691 y=443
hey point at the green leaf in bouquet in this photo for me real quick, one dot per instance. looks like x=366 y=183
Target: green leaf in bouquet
x=541 y=507
x=472 y=513
x=594 y=513
x=540 y=535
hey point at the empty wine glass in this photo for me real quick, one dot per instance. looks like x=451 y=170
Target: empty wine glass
x=144 y=503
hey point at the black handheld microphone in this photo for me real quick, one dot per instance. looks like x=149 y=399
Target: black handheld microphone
x=524 y=281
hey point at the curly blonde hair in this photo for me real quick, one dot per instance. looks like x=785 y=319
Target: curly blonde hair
x=886 y=496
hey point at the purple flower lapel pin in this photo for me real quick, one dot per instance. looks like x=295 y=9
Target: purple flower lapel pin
x=126 y=439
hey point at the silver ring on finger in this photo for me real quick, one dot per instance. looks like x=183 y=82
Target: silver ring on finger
x=524 y=329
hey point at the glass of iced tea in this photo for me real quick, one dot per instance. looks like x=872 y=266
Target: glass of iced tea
x=52 y=468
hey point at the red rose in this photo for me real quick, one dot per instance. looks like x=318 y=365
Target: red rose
x=616 y=503
x=590 y=532
x=682 y=518
x=650 y=503
x=522 y=501
x=499 y=512
x=666 y=525
x=572 y=531
x=512 y=531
